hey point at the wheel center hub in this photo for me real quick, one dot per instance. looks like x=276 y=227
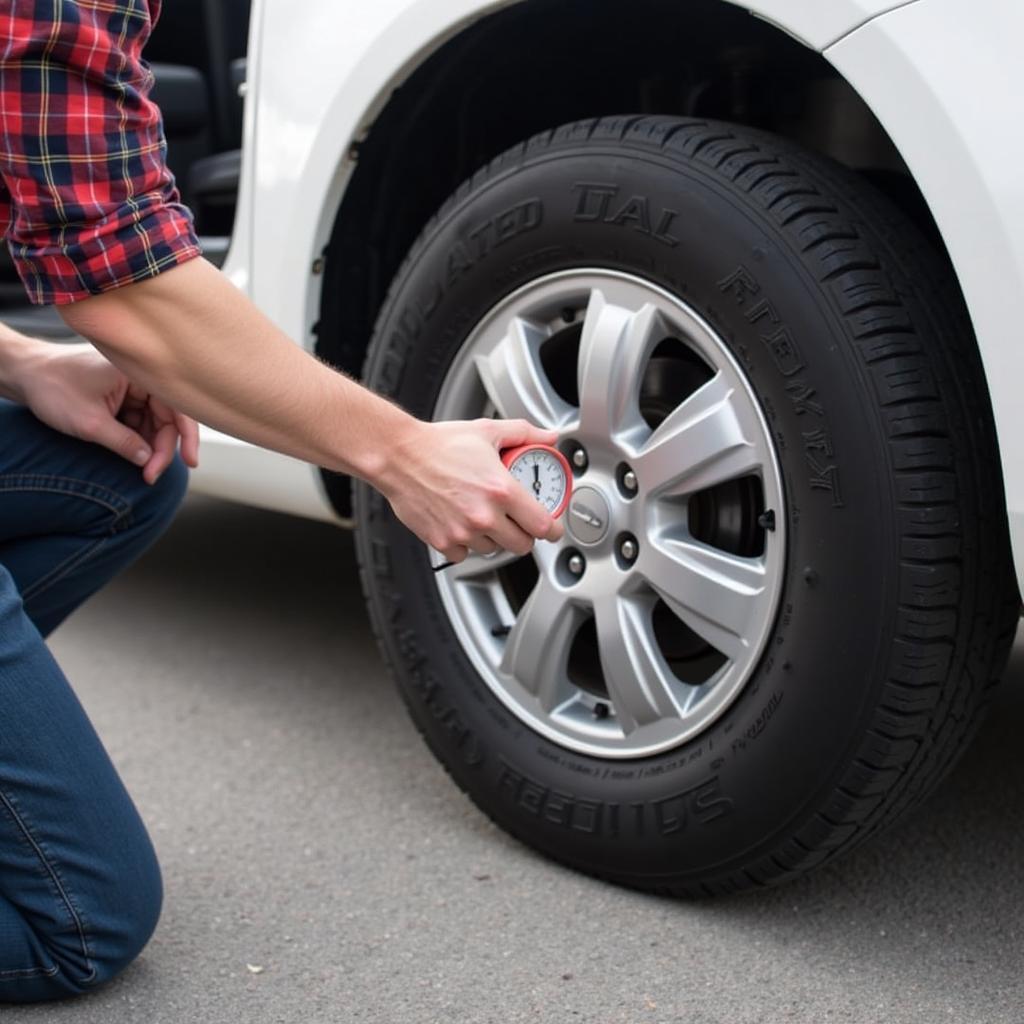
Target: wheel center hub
x=589 y=516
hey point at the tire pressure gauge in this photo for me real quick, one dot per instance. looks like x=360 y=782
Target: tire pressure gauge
x=544 y=472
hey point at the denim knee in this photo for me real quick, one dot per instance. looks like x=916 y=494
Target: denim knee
x=129 y=923
x=155 y=504
x=116 y=933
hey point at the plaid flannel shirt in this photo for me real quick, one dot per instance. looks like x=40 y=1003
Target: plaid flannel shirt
x=85 y=194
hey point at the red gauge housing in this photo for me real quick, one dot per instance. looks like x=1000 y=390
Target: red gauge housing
x=509 y=456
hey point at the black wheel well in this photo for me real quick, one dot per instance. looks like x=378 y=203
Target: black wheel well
x=541 y=63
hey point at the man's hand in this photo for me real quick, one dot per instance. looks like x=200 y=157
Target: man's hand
x=73 y=389
x=447 y=484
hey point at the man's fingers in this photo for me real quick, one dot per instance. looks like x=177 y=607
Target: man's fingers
x=511 y=537
x=530 y=515
x=120 y=439
x=169 y=428
x=455 y=553
x=165 y=443
x=512 y=433
x=189 y=431
x=133 y=417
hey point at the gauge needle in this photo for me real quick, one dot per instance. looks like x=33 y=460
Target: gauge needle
x=536 y=479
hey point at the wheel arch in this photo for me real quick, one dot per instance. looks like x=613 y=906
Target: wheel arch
x=457 y=103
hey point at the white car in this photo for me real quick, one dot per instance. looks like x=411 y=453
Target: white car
x=760 y=264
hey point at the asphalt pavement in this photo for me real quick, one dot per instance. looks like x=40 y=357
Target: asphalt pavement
x=319 y=867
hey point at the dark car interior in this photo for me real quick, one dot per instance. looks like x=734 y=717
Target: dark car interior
x=198 y=55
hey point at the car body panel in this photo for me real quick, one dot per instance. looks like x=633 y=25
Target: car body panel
x=819 y=24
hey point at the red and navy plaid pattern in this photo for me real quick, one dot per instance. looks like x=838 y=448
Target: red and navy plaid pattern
x=86 y=196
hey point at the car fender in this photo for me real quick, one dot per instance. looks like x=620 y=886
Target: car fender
x=943 y=85
x=325 y=78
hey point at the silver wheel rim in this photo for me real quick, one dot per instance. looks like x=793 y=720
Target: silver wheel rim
x=708 y=591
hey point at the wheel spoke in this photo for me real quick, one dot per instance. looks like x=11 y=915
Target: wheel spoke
x=718 y=595
x=702 y=442
x=638 y=679
x=537 y=648
x=515 y=381
x=614 y=349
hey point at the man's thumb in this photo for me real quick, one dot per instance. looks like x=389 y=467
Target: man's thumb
x=124 y=441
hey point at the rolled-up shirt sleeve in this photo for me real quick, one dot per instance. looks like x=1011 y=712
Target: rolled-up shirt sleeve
x=87 y=199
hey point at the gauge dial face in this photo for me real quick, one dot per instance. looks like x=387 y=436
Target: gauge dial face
x=544 y=473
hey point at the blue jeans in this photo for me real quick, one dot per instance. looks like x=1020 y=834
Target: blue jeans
x=80 y=886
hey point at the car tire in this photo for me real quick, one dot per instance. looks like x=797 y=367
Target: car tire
x=869 y=502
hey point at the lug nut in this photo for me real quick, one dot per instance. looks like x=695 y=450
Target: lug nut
x=579 y=458
x=629 y=481
x=575 y=565
x=628 y=549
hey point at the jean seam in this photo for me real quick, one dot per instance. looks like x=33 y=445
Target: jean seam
x=36 y=483
x=88 y=490
x=17 y=973
x=58 y=882
x=58 y=572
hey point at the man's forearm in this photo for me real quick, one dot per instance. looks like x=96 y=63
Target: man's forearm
x=190 y=337
x=193 y=338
